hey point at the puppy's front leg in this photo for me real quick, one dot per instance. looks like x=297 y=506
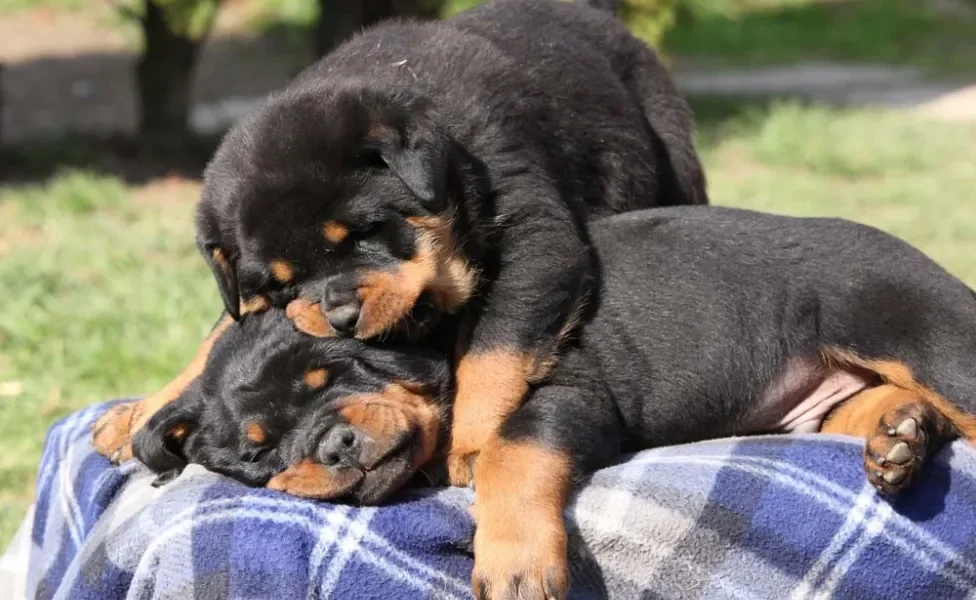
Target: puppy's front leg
x=523 y=478
x=530 y=307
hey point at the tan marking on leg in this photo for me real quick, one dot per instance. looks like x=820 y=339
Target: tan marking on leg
x=335 y=232
x=859 y=415
x=899 y=374
x=901 y=429
x=308 y=479
x=282 y=271
x=903 y=420
x=491 y=386
x=520 y=538
x=112 y=427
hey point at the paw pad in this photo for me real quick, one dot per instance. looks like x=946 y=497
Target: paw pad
x=896 y=452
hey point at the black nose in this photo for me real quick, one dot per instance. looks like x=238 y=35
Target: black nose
x=340 y=447
x=344 y=318
x=341 y=306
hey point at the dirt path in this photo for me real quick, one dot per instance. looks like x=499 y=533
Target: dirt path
x=846 y=84
x=73 y=72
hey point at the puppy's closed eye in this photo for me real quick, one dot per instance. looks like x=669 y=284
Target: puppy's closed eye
x=370 y=158
x=253 y=455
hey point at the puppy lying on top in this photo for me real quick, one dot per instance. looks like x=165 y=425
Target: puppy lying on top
x=709 y=322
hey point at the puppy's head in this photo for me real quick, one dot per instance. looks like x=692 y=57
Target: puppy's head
x=339 y=194
x=334 y=419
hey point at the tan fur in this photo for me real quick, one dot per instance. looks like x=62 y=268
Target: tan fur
x=256 y=433
x=335 y=232
x=436 y=267
x=859 y=416
x=113 y=431
x=282 y=271
x=490 y=387
x=179 y=431
x=397 y=409
x=454 y=280
x=307 y=317
x=221 y=260
x=316 y=378
x=900 y=375
x=257 y=304
x=522 y=491
x=876 y=415
x=312 y=480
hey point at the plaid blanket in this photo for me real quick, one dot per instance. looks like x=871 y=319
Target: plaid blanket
x=765 y=517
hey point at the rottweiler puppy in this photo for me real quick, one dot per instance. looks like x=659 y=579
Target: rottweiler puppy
x=708 y=322
x=451 y=167
x=328 y=417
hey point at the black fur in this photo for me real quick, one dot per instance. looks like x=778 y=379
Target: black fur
x=254 y=374
x=519 y=120
x=696 y=311
x=700 y=308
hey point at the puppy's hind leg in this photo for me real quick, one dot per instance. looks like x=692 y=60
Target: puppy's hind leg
x=902 y=430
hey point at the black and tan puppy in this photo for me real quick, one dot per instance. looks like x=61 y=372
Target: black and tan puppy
x=708 y=322
x=425 y=168
x=351 y=420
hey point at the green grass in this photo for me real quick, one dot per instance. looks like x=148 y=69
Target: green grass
x=10 y=6
x=763 y=32
x=106 y=296
x=909 y=176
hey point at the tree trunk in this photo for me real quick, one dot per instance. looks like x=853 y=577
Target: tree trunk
x=163 y=78
x=341 y=19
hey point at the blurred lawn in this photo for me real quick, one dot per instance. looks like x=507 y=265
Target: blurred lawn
x=104 y=294
x=938 y=37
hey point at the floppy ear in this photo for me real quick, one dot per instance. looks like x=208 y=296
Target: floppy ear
x=416 y=151
x=159 y=444
x=224 y=269
x=221 y=259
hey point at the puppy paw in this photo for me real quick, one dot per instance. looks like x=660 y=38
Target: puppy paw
x=528 y=566
x=308 y=318
x=112 y=432
x=897 y=451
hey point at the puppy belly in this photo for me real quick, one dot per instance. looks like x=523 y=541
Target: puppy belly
x=802 y=395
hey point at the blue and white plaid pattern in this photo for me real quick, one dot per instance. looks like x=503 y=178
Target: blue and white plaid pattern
x=767 y=517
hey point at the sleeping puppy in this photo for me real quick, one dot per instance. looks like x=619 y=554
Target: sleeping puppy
x=353 y=421
x=451 y=166
x=709 y=322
